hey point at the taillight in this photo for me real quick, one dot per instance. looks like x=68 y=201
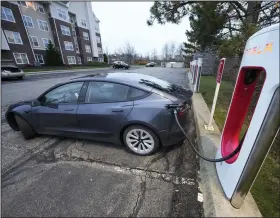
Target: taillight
x=182 y=110
x=181 y=113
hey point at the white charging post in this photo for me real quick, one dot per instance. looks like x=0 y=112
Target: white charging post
x=197 y=74
x=191 y=68
x=218 y=80
x=194 y=70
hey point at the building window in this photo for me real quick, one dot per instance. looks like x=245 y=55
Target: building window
x=96 y=29
x=61 y=14
x=99 y=50
x=89 y=59
x=43 y=25
x=85 y=35
x=27 y=21
x=7 y=14
x=98 y=39
x=22 y=3
x=21 y=58
x=39 y=58
x=65 y=30
x=13 y=37
x=88 y=50
x=83 y=23
x=68 y=46
x=46 y=42
x=39 y=8
x=71 y=59
x=74 y=32
x=79 y=60
x=72 y=20
x=77 y=48
x=34 y=41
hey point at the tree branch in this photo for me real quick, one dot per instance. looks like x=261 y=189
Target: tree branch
x=238 y=12
x=238 y=5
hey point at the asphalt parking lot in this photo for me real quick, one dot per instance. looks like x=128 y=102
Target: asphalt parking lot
x=54 y=176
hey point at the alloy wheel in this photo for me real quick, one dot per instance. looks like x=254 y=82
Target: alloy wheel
x=140 y=141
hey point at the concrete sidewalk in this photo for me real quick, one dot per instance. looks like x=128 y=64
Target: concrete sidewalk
x=215 y=202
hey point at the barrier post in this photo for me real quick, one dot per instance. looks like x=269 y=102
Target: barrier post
x=218 y=81
x=198 y=74
x=194 y=71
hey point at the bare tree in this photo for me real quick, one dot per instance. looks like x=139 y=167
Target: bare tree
x=129 y=52
x=147 y=56
x=179 y=53
x=154 y=55
x=165 y=52
x=172 y=49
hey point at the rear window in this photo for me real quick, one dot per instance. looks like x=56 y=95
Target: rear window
x=134 y=94
x=159 y=84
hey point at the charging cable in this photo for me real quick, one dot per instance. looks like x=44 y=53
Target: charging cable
x=200 y=155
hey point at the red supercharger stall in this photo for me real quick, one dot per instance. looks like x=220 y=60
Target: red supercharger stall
x=261 y=57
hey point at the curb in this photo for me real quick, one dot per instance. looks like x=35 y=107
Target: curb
x=215 y=203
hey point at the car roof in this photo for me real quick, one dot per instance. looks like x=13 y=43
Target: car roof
x=131 y=79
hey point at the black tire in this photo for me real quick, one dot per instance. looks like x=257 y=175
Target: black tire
x=26 y=130
x=20 y=77
x=152 y=134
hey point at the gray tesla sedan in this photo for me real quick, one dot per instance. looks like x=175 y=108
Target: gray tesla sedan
x=114 y=107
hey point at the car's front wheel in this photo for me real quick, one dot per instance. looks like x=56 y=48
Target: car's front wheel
x=140 y=140
x=26 y=130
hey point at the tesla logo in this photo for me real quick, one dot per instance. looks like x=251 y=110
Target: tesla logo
x=259 y=49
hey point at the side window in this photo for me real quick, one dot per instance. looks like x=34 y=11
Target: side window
x=103 y=92
x=136 y=94
x=65 y=94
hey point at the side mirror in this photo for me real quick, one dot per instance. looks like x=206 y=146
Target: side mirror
x=35 y=103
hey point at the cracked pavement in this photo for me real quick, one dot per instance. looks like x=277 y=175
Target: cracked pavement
x=55 y=176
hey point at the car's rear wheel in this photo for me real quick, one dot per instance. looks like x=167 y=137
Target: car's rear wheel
x=140 y=140
x=26 y=130
x=20 y=77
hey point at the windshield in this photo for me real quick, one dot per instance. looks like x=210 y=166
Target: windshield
x=159 y=84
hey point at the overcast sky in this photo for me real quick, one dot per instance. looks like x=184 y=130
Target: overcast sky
x=122 y=22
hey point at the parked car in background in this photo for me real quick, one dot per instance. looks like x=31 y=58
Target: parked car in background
x=11 y=71
x=113 y=107
x=151 y=64
x=120 y=64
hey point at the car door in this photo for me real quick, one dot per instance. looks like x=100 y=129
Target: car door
x=104 y=110
x=57 y=113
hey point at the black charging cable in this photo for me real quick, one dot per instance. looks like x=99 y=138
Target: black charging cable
x=200 y=155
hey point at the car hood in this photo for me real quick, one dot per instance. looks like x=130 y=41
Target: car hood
x=21 y=103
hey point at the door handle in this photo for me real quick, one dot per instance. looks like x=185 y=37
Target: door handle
x=68 y=109
x=117 y=110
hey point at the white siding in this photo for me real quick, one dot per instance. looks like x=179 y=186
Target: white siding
x=53 y=10
x=83 y=10
x=79 y=9
x=92 y=23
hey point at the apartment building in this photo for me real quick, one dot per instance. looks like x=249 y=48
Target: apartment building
x=27 y=28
